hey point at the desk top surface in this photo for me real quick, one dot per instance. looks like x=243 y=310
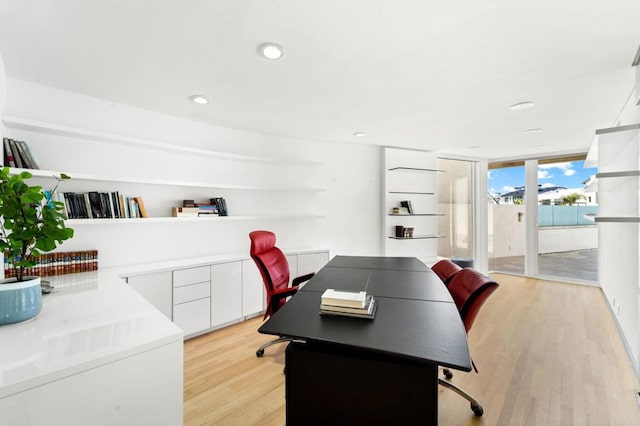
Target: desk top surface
x=381 y=283
x=416 y=318
x=374 y=262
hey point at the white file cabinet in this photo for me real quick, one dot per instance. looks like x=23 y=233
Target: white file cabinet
x=192 y=299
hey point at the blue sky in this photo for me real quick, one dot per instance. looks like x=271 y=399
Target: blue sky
x=568 y=174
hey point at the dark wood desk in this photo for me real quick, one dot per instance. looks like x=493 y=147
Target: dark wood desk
x=381 y=371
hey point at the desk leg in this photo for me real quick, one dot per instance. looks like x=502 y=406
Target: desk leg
x=330 y=385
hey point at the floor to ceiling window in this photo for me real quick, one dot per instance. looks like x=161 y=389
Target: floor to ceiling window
x=562 y=240
x=567 y=233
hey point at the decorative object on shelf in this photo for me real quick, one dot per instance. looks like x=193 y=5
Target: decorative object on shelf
x=32 y=223
x=402 y=232
x=400 y=211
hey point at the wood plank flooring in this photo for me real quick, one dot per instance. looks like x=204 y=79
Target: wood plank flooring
x=547 y=353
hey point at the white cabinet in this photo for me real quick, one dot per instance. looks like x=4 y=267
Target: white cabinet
x=226 y=293
x=218 y=292
x=292 y=259
x=192 y=299
x=253 y=294
x=311 y=262
x=156 y=288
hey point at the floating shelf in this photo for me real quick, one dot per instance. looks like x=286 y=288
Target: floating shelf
x=410 y=192
x=87 y=177
x=417 y=214
x=415 y=169
x=417 y=237
x=119 y=221
x=56 y=129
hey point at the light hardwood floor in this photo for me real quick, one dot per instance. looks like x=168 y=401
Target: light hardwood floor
x=547 y=353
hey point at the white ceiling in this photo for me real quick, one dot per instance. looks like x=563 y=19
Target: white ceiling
x=437 y=75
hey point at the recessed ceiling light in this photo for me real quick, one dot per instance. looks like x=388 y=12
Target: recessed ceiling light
x=521 y=106
x=199 y=99
x=358 y=134
x=271 y=50
x=533 y=131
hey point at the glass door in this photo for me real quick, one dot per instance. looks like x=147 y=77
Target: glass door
x=567 y=232
x=455 y=208
x=506 y=217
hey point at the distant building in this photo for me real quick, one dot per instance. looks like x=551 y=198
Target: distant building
x=545 y=195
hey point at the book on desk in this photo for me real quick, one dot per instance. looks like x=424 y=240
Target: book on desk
x=359 y=305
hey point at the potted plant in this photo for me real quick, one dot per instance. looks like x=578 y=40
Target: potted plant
x=30 y=223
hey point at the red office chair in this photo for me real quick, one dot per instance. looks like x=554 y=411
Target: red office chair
x=446 y=269
x=274 y=268
x=469 y=289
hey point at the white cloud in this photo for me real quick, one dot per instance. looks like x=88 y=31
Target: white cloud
x=547 y=185
x=570 y=172
x=490 y=174
x=562 y=166
x=508 y=188
x=544 y=174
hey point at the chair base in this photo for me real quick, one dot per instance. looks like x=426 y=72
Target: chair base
x=475 y=405
x=260 y=351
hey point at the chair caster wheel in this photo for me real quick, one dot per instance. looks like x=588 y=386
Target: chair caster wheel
x=259 y=353
x=447 y=374
x=477 y=410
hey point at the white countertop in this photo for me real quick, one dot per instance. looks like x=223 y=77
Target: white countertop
x=89 y=320
x=193 y=262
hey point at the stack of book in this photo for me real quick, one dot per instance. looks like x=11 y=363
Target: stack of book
x=216 y=207
x=348 y=303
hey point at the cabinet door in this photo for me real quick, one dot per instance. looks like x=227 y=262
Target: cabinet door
x=312 y=262
x=226 y=292
x=253 y=294
x=156 y=288
x=293 y=266
x=193 y=316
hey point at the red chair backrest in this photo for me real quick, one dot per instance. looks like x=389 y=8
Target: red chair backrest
x=271 y=262
x=470 y=289
x=446 y=269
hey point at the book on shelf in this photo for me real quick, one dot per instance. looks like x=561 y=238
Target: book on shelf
x=57 y=263
x=9 y=159
x=99 y=205
x=407 y=204
x=17 y=154
x=344 y=298
x=185 y=211
x=221 y=204
x=141 y=209
x=368 y=311
x=207 y=209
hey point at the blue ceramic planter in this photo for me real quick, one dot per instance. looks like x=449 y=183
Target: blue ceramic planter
x=19 y=301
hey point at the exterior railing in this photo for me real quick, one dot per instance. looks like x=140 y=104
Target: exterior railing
x=566 y=215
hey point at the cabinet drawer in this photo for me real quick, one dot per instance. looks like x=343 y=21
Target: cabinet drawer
x=191 y=292
x=191 y=276
x=193 y=317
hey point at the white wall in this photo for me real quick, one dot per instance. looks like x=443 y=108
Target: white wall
x=3 y=92
x=506 y=233
x=349 y=173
